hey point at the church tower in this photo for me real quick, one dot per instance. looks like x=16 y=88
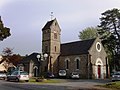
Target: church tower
x=51 y=44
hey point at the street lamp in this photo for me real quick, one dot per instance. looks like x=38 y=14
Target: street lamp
x=41 y=57
x=38 y=57
x=45 y=55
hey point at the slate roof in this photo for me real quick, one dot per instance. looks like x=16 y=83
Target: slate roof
x=30 y=57
x=47 y=25
x=76 y=48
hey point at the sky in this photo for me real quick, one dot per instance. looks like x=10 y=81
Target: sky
x=26 y=18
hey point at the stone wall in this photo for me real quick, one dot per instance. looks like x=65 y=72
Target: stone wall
x=73 y=64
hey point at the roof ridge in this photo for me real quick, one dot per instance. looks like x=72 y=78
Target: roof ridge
x=79 y=41
x=48 y=24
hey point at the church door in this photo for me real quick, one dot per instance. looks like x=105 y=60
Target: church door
x=35 y=72
x=99 y=71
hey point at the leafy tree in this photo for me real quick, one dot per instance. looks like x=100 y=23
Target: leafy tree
x=11 y=60
x=15 y=59
x=7 y=51
x=109 y=30
x=88 y=33
x=4 y=31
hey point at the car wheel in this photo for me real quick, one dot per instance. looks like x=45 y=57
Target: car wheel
x=26 y=80
x=17 y=79
x=7 y=79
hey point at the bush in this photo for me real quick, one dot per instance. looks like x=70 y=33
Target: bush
x=115 y=85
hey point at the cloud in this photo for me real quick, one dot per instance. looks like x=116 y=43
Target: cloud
x=27 y=17
x=4 y=2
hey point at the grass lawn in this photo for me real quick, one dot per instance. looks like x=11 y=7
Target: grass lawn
x=32 y=80
x=113 y=85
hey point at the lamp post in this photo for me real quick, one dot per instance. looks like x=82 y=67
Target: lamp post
x=41 y=57
x=38 y=57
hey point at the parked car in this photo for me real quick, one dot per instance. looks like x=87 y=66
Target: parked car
x=62 y=73
x=50 y=75
x=2 y=75
x=75 y=75
x=116 y=76
x=18 y=76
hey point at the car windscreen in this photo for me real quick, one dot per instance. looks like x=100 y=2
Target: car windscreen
x=23 y=73
x=74 y=73
x=62 y=71
x=2 y=72
x=118 y=73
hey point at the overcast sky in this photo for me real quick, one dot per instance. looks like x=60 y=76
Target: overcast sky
x=26 y=18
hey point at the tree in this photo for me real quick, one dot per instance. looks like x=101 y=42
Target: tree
x=88 y=33
x=109 y=30
x=7 y=51
x=4 y=31
x=11 y=60
x=15 y=59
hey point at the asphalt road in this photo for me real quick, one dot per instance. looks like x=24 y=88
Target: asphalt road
x=3 y=86
x=66 y=85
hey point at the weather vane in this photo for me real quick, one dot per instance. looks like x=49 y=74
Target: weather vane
x=51 y=14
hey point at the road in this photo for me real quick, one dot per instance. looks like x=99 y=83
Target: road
x=66 y=85
x=3 y=86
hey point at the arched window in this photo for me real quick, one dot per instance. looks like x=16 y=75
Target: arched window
x=67 y=64
x=67 y=60
x=77 y=63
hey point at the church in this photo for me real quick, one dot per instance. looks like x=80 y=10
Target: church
x=87 y=57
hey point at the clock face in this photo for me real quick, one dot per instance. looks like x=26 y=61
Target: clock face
x=98 y=46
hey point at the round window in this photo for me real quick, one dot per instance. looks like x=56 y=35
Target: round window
x=98 y=46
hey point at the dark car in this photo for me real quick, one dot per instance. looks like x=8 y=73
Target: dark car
x=50 y=75
x=116 y=76
x=18 y=76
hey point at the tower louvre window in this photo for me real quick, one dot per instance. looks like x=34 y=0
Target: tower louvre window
x=55 y=35
x=55 y=48
x=46 y=48
x=55 y=23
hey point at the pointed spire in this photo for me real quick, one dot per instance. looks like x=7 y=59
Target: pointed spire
x=0 y=18
x=1 y=23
